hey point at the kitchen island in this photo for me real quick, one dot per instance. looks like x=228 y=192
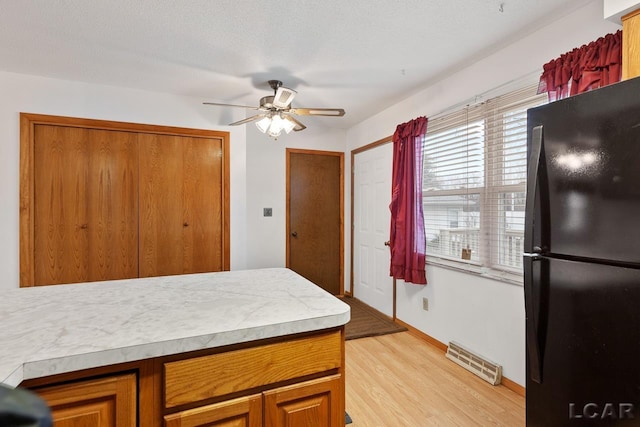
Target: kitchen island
x=183 y=349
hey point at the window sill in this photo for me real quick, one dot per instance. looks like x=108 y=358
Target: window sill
x=471 y=268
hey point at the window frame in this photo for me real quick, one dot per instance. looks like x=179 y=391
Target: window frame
x=492 y=228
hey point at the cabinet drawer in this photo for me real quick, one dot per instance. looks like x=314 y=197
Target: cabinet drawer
x=199 y=378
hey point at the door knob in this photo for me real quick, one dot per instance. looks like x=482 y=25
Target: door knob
x=387 y=243
x=294 y=234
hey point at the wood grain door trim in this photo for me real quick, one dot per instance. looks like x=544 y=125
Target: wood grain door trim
x=28 y=121
x=290 y=151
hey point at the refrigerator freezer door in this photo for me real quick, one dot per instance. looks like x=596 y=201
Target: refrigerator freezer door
x=588 y=332
x=590 y=163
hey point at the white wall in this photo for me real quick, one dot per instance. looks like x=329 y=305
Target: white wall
x=616 y=9
x=266 y=187
x=482 y=314
x=23 y=93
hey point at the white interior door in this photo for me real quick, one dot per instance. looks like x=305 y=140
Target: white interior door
x=372 y=196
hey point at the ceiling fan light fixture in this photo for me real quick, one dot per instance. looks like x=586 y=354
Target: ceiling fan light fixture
x=273 y=133
x=275 y=129
x=263 y=124
x=288 y=124
x=274 y=124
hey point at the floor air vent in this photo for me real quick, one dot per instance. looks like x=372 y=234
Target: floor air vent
x=485 y=369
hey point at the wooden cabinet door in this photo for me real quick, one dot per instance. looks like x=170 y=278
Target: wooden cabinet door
x=86 y=205
x=631 y=45
x=241 y=412
x=316 y=403
x=181 y=211
x=105 y=402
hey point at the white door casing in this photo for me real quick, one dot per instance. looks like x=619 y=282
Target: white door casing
x=371 y=224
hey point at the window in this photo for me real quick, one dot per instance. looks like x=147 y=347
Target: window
x=474 y=183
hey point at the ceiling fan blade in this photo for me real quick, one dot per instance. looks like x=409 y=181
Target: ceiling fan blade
x=230 y=105
x=283 y=97
x=299 y=125
x=334 y=112
x=247 y=120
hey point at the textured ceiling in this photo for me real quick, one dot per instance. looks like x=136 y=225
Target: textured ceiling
x=360 y=55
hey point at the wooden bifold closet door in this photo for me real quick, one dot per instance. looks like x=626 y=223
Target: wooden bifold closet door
x=180 y=179
x=86 y=205
x=110 y=200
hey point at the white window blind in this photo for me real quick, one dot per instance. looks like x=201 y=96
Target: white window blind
x=474 y=182
x=453 y=179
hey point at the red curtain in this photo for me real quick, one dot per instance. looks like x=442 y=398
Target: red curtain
x=590 y=66
x=407 y=220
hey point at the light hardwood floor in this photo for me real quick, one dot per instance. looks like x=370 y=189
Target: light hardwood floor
x=400 y=380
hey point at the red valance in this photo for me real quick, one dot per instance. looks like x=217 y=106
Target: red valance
x=590 y=66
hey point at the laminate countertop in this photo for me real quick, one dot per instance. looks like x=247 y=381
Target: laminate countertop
x=50 y=330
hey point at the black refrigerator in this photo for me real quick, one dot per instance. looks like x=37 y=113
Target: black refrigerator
x=582 y=260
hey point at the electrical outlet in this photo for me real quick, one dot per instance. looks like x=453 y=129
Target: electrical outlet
x=425 y=304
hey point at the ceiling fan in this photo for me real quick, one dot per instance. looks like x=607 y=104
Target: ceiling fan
x=277 y=114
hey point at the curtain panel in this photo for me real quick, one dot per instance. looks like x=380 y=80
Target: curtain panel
x=408 y=242
x=590 y=66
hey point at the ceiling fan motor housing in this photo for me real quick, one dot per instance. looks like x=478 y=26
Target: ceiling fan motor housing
x=275 y=84
x=267 y=102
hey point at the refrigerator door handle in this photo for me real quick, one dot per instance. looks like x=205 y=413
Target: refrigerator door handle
x=532 y=183
x=532 y=321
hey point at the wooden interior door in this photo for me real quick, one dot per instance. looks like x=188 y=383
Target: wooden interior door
x=181 y=220
x=315 y=217
x=86 y=205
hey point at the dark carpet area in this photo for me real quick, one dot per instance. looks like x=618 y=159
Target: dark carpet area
x=368 y=322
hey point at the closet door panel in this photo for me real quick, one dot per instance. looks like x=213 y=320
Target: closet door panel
x=60 y=244
x=161 y=205
x=203 y=236
x=181 y=228
x=85 y=205
x=112 y=203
